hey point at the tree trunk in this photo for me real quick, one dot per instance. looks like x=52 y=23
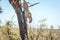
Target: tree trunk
x=21 y=20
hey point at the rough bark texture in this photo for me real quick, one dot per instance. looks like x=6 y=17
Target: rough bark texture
x=21 y=19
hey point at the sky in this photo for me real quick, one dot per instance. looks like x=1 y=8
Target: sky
x=49 y=9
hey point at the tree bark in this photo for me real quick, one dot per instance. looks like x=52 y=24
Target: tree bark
x=21 y=20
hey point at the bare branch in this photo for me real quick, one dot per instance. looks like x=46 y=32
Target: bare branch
x=33 y=4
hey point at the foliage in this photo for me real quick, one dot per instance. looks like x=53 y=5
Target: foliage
x=33 y=33
x=42 y=23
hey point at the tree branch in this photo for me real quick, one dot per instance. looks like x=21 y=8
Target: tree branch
x=33 y=4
